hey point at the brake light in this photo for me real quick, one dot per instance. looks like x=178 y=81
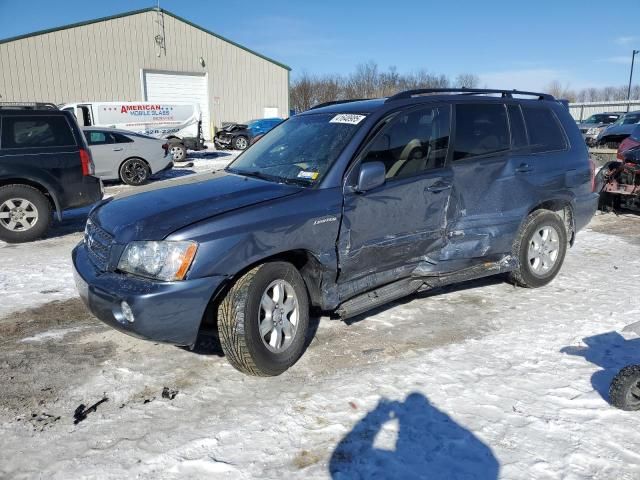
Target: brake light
x=592 y=167
x=626 y=144
x=87 y=162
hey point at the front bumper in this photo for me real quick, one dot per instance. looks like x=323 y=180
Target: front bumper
x=222 y=142
x=168 y=312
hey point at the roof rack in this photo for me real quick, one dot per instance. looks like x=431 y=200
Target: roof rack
x=335 y=102
x=28 y=106
x=467 y=91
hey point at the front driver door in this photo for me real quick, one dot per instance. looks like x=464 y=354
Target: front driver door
x=395 y=226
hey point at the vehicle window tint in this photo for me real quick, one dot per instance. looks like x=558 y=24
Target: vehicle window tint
x=86 y=116
x=119 y=138
x=631 y=119
x=95 y=137
x=36 y=131
x=481 y=129
x=518 y=133
x=545 y=133
x=412 y=143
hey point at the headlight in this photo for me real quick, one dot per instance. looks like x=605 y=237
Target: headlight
x=593 y=131
x=166 y=260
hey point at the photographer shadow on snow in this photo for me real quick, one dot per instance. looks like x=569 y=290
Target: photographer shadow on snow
x=611 y=352
x=428 y=444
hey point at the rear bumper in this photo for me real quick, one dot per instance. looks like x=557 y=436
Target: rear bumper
x=169 y=312
x=86 y=193
x=584 y=208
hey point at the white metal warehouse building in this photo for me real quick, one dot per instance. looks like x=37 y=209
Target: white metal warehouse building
x=144 y=55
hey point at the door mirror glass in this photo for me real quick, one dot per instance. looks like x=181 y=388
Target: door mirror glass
x=372 y=175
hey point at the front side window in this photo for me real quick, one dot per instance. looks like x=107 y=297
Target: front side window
x=545 y=133
x=36 y=131
x=412 y=143
x=481 y=129
x=300 y=150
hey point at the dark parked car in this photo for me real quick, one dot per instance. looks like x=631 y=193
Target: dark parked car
x=45 y=166
x=343 y=208
x=240 y=136
x=632 y=141
x=615 y=133
x=592 y=126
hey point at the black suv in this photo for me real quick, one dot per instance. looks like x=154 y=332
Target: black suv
x=45 y=166
x=344 y=208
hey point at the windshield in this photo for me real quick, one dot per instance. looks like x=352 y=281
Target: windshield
x=628 y=119
x=601 y=118
x=300 y=150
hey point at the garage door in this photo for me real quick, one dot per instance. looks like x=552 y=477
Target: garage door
x=180 y=87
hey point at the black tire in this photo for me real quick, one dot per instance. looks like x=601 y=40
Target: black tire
x=621 y=391
x=240 y=142
x=525 y=275
x=39 y=203
x=238 y=321
x=135 y=171
x=178 y=152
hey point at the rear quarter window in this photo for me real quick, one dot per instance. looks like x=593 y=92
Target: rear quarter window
x=36 y=131
x=544 y=129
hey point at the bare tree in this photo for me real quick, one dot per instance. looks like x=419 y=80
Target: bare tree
x=467 y=80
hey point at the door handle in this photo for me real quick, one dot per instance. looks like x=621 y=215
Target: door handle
x=438 y=187
x=524 y=168
x=118 y=149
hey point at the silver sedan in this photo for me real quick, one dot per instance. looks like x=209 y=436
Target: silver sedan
x=127 y=156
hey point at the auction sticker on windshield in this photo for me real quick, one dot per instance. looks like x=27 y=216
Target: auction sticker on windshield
x=350 y=118
x=308 y=175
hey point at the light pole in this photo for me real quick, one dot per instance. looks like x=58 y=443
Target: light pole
x=633 y=56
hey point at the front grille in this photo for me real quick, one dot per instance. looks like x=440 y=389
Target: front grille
x=98 y=243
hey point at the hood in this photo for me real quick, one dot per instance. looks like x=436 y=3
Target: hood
x=619 y=129
x=155 y=211
x=234 y=126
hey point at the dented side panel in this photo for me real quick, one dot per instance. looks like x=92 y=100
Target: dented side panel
x=394 y=226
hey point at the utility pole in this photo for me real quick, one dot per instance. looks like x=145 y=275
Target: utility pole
x=633 y=56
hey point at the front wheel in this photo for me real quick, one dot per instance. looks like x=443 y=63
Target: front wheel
x=240 y=143
x=540 y=247
x=264 y=318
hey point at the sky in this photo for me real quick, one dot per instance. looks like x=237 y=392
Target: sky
x=509 y=44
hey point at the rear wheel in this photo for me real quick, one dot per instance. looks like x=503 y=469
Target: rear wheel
x=178 y=152
x=134 y=171
x=25 y=214
x=540 y=246
x=240 y=143
x=264 y=318
x=624 y=392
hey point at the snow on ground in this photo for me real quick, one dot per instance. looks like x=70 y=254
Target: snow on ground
x=480 y=381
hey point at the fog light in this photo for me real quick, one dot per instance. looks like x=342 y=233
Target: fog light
x=127 y=312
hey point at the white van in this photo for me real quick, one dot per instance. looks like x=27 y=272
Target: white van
x=180 y=123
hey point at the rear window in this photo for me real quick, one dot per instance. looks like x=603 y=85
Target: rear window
x=545 y=132
x=36 y=131
x=481 y=129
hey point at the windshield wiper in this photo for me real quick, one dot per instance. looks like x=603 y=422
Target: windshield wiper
x=271 y=178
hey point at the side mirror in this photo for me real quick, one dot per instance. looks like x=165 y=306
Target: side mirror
x=372 y=175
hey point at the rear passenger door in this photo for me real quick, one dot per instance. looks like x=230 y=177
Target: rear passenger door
x=394 y=227
x=486 y=198
x=107 y=154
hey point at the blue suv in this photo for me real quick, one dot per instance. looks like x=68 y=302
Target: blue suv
x=344 y=208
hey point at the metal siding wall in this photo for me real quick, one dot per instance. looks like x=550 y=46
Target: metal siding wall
x=102 y=61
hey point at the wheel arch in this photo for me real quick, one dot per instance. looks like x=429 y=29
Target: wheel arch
x=47 y=191
x=562 y=207
x=305 y=261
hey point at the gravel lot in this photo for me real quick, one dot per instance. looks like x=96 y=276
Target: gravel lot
x=479 y=380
